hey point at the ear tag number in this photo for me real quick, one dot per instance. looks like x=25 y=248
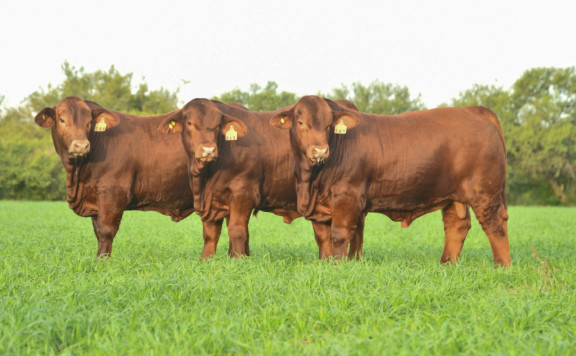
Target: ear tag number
x=340 y=128
x=172 y=124
x=231 y=134
x=100 y=126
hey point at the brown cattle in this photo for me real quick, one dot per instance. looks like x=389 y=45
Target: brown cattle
x=404 y=166
x=116 y=162
x=238 y=163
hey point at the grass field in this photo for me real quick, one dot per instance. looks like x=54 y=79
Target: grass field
x=154 y=296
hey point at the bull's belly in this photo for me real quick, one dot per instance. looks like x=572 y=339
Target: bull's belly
x=166 y=203
x=397 y=209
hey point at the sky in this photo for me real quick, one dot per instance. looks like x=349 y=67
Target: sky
x=205 y=48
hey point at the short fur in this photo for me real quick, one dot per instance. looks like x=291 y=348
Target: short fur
x=403 y=166
x=129 y=166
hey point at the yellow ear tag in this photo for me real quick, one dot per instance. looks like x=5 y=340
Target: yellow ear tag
x=231 y=134
x=100 y=126
x=282 y=120
x=43 y=117
x=172 y=124
x=340 y=128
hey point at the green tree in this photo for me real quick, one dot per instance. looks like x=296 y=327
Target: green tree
x=260 y=98
x=378 y=97
x=110 y=89
x=544 y=144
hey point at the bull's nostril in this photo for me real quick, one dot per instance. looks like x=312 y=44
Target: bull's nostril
x=319 y=151
x=80 y=147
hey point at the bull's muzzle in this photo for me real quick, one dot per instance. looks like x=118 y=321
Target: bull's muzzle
x=79 y=148
x=207 y=153
x=317 y=154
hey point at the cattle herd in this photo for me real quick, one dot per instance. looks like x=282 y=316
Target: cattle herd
x=320 y=159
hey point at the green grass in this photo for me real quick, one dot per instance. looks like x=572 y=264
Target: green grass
x=154 y=296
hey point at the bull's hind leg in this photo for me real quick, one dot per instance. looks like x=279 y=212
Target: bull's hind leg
x=456 y=227
x=494 y=218
x=211 y=231
x=356 y=250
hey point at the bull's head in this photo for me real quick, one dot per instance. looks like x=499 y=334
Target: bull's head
x=71 y=121
x=310 y=122
x=200 y=123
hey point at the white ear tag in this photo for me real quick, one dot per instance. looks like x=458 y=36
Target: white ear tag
x=100 y=126
x=231 y=134
x=340 y=128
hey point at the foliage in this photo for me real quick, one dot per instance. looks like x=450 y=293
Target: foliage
x=260 y=98
x=544 y=144
x=154 y=296
x=379 y=98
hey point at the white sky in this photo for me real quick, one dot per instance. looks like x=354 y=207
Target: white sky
x=435 y=47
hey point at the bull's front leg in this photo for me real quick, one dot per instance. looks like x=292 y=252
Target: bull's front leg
x=322 y=236
x=346 y=214
x=240 y=209
x=356 y=244
x=106 y=226
x=107 y=222
x=211 y=231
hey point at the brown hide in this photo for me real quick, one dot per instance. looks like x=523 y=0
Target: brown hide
x=403 y=166
x=232 y=178
x=253 y=172
x=127 y=166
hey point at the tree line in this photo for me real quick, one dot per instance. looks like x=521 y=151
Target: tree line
x=537 y=114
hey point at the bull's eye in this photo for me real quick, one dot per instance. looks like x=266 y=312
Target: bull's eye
x=300 y=123
x=61 y=120
x=189 y=123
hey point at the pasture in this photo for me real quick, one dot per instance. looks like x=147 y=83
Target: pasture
x=154 y=296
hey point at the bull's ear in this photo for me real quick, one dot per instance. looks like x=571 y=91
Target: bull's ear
x=104 y=119
x=283 y=119
x=344 y=120
x=172 y=124
x=233 y=128
x=46 y=118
